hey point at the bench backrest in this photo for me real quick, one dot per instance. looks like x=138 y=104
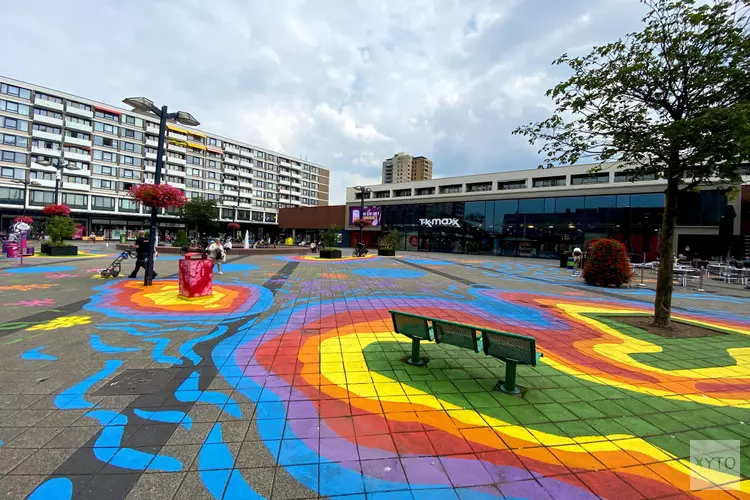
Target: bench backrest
x=456 y=334
x=509 y=346
x=411 y=325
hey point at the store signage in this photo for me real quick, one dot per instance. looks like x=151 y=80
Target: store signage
x=369 y=217
x=451 y=222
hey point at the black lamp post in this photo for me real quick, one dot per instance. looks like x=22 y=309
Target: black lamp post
x=362 y=191
x=143 y=105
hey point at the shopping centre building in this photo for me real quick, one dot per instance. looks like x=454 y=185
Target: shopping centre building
x=543 y=212
x=107 y=150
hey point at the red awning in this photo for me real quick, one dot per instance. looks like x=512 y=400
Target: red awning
x=214 y=149
x=108 y=110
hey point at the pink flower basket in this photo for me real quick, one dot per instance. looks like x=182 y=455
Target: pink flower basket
x=59 y=210
x=233 y=225
x=23 y=218
x=158 y=195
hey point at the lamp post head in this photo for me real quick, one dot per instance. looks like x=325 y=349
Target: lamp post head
x=142 y=104
x=186 y=118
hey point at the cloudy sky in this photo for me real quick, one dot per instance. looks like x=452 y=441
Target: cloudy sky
x=345 y=83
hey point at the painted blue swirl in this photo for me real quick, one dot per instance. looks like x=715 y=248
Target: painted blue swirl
x=58 y=488
x=168 y=416
x=186 y=349
x=188 y=392
x=72 y=398
x=35 y=355
x=98 y=345
x=216 y=465
x=158 y=353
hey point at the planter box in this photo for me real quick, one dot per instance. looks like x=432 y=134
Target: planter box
x=54 y=251
x=45 y=247
x=386 y=252
x=330 y=254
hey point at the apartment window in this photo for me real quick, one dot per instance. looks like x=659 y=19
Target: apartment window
x=103 y=184
x=12 y=157
x=102 y=203
x=454 y=188
x=176 y=168
x=40 y=143
x=76 y=150
x=211 y=196
x=511 y=185
x=399 y=193
x=172 y=154
x=14 y=107
x=14 y=140
x=129 y=146
x=12 y=173
x=193 y=194
x=47 y=128
x=194 y=183
x=270 y=217
x=48 y=97
x=212 y=186
x=106 y=116
x=80 y=165
x=14 y=124
x=78 y=135
x=214 y=142
x=41 y=176
x=41 y=198
x=127 y=205
x=549 y=181
x=126 y=173
x=270 y=185
x=211 y=175
x=172 y=179
x=79 y=121
x=194 y=160
x=48 y=113
x=132 y=120
x=106 y=128
x=212 y=164
x=478 y=186
x=600 y=178
x=194 y=172
x=105 y=156
x=149 y=163
x=132 y=134
x=104 y=170
x=15 y=91
x=75 y=200
x=630 y=177
x=211 y=154
x=75 y=179
x=78 y=105
x=105 y=142
x=258 y=216
x=420 y=192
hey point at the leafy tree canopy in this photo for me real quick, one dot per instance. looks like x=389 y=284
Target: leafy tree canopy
x=200 y=214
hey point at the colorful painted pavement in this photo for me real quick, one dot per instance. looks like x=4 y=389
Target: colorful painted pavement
x=304 y=361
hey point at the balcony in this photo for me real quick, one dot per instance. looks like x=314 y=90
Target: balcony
x=296 y=201
x=71 y=110
x=245 y=163
x=44 y=182
x=176 y=161
x=150 y=169
x=231 y=192
x=78 y=126
x=248 y=175
x=176 y=173
x=284 y=191
x=45 y=168
x=81 y=173
x=35 y=150
x=57 y=122
x=77 y=156
x=231 y=149
x=284 y=199
x=38 y=134
x=231 y=171
x=176 y=135
x=284 y=163
x=152 y=129
x=180 y=185
x=232 y=161
x=77 y=141
x=44 y=103
x=231 y=183
x=245 y=184
x=246 y=205
x=285 y=181
x=296 y=175
x=74 y=186
x=176 y=148
x=152 y=143
x=247 y=154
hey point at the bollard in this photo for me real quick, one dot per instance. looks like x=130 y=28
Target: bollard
x=643 y=267
x=700 y=281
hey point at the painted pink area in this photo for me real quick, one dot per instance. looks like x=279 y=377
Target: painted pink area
x=32 y=303
x=60 y=275
x=196 y=277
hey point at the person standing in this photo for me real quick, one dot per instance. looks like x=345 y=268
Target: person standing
x=141 y=254
x=216 y=252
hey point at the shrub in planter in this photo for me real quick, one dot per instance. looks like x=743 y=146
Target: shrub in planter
x=387 y=244
x=330 y=248
x=330 y=253
x=180 y=239
x=60 y=228
x=607 y=264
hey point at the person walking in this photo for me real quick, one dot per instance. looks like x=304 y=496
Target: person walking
x=216 y=252
x=141 y=254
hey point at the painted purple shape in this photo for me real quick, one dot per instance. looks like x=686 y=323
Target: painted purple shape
x=301 y=409
x=558 y=488
x=424 y=472
x=387 y=469
x=506 y=473
x=305 y=428
x=525 y=489
x=337 y=449
x=466 y=471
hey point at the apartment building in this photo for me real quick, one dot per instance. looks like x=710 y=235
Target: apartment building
x=403 y=167
x=109 y=149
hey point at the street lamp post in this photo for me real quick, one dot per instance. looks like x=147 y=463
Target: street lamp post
x=362 y=191
x=26 y=185
x=143 y=105
x=60 y=164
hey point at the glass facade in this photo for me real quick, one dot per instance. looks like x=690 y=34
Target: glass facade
x=544 y=227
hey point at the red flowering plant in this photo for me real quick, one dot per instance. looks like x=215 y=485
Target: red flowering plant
x=23 y=218
x=362 y=222
x=158 y=195
x=233 y=225
x=56 y=210
x=607 y=264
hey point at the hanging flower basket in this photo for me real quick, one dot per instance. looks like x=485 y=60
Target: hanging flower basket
x=362 y=222
x=158 y=195
x=23 y=218
x=233 y=225
x=59 y=210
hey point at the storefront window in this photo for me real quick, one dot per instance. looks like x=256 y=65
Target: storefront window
x=531 y=206
x=593 y=202
x=655 y=200
x=571 y=204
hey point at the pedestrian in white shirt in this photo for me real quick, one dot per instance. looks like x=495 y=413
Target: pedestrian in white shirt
x=216 y=252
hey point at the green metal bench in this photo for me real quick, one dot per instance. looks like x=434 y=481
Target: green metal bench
x=510 y=348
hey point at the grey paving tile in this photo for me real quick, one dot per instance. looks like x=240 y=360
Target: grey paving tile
x=43 y=461
x=26 y=418
x=260 y=479
x=34 y=437
x=10 y=458
x=16 y=487
x=107 y=486
x=157 y=485
x=196 y=435
x=73 y=437
x=192 y=488
x=285 y=487
x=254 y=454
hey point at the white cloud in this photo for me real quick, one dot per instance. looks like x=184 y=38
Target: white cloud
x=344 y=83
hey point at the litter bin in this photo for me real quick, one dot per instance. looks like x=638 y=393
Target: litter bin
x=571 y=263
x=12 y=250
x=564 y=259
x=123 y=238
x=195 y=276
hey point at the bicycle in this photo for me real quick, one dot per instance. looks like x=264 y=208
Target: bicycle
x=360 y=251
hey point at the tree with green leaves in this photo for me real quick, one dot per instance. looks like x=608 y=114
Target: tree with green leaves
x=200 y=214
x=670 y=101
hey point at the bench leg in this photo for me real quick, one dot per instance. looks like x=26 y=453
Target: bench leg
x=415 y=359
x=509 y=385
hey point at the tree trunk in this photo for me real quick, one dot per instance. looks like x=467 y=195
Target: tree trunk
x=665 y=279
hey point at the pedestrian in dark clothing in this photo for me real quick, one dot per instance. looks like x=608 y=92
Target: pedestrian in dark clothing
x=141 y=254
